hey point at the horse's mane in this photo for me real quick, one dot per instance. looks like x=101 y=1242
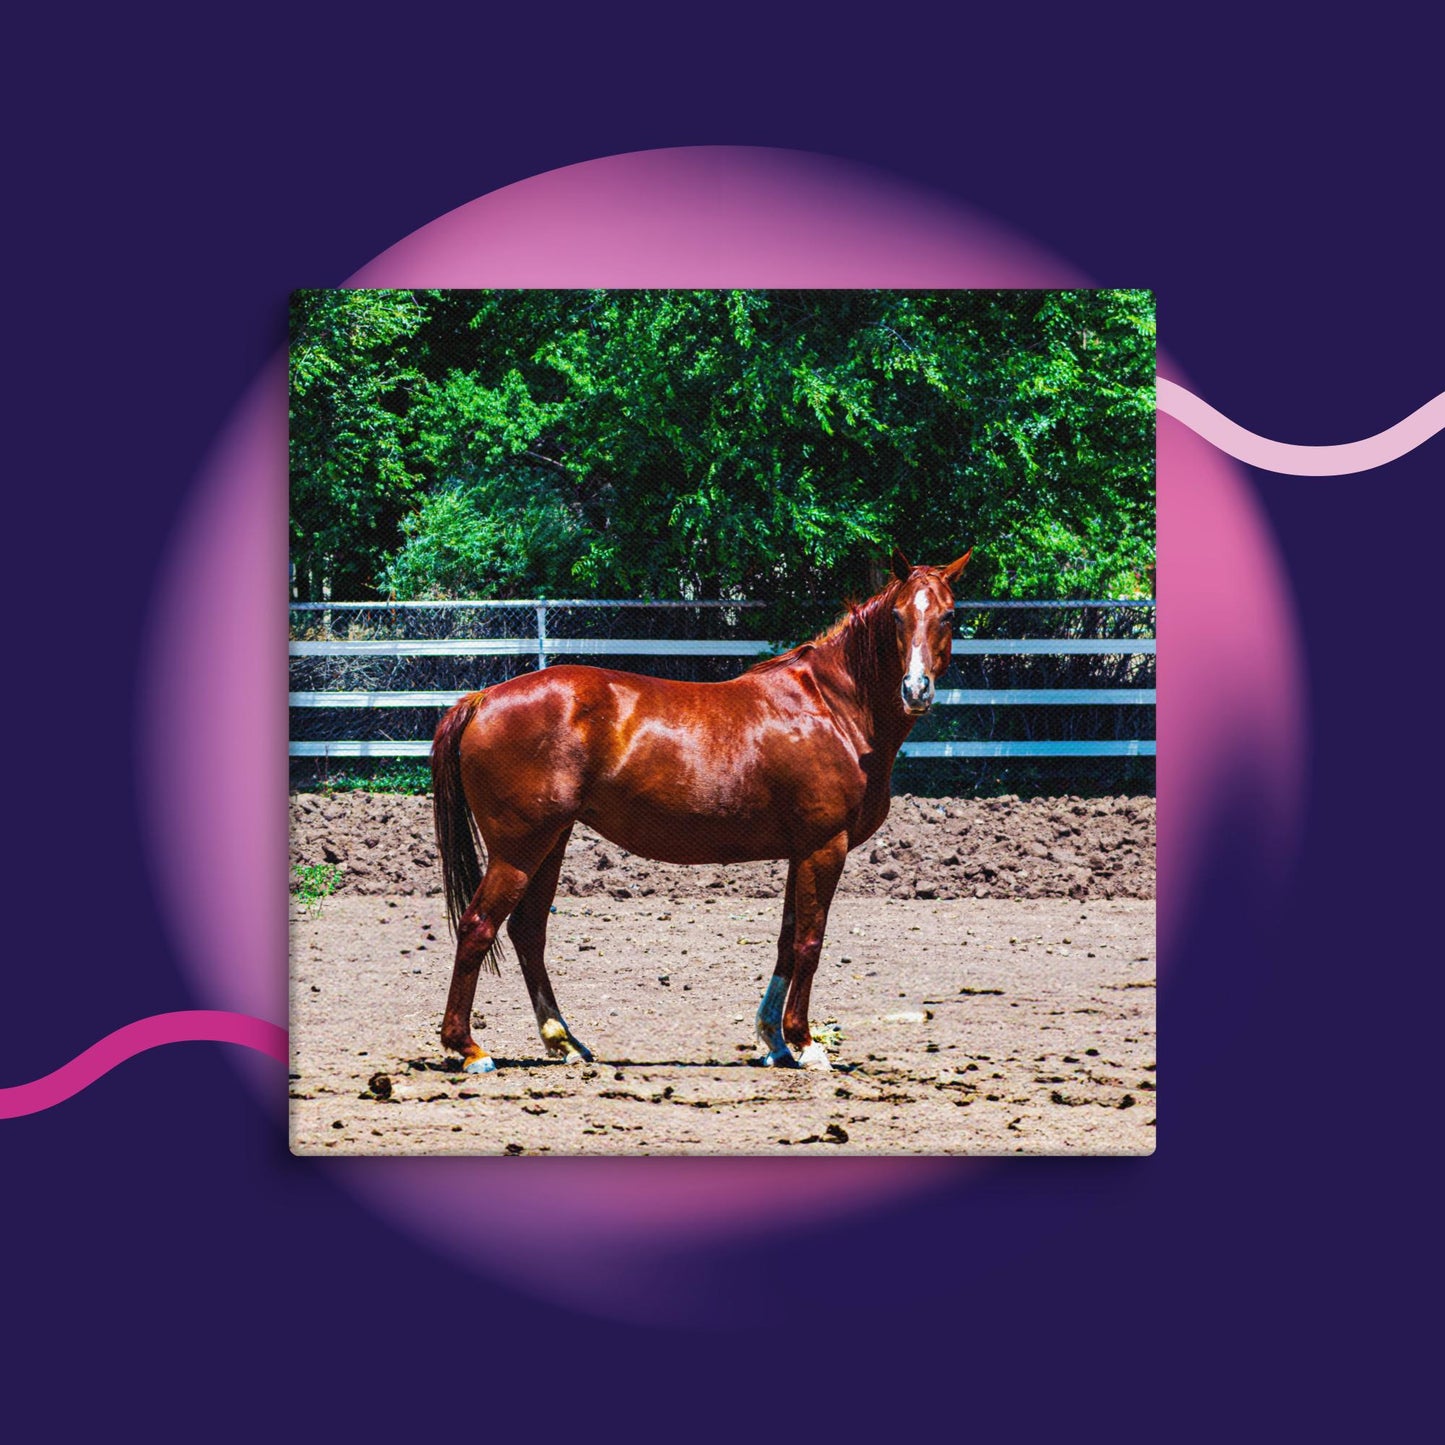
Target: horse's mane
x=855 y=630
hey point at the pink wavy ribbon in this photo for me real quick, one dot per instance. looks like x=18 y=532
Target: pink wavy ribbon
x=1300 y=461
x=187 y=1025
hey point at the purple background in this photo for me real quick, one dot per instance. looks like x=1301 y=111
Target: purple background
x=164 y=1252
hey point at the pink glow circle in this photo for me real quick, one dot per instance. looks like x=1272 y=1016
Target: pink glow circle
x=1230 y=684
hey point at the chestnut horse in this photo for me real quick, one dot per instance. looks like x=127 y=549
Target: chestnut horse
x=791 y=760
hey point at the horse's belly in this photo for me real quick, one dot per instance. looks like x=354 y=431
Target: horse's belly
x=670 y=831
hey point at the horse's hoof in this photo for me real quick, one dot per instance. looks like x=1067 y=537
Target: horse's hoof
x=779 y=1059
x=815 y=1056
x=558 y=1040
x=484 y=1065
x=570 y=1052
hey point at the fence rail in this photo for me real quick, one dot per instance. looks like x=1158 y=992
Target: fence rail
x=1059 y=748
x=946 y=696
x=677 y=647
x=528 y=646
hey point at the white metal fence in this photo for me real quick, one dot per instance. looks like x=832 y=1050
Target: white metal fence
x=540 y=646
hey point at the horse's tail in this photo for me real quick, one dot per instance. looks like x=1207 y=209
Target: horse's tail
x=458 y=841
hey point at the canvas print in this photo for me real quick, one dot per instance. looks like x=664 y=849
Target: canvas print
x=722 y=722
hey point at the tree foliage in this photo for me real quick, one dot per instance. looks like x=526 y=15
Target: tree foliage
x=353 y=382
x=755 y=444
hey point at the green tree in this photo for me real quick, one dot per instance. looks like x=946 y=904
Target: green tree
x=723 y=444
x=352 y=383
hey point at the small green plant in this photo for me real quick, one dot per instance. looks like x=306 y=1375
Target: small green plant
x=829 y=1034
x=314 y=883
x=390 y=778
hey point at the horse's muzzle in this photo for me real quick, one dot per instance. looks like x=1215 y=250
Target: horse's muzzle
x=917 y=695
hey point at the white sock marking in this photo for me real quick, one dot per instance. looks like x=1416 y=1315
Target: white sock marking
x=770 y=1010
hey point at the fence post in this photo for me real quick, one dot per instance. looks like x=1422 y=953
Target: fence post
x=541 y=638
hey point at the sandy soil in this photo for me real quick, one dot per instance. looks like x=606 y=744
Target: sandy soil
x=977 y=1026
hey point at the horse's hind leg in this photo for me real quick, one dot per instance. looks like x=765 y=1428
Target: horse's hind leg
x=500 y=891
x=527 y=928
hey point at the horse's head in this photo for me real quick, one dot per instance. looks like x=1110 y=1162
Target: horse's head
x=923 y=622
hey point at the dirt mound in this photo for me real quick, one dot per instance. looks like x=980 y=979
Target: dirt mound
x=929 y=848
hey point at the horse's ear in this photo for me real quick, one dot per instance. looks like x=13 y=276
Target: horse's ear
x=901 y=565
x=954 y=570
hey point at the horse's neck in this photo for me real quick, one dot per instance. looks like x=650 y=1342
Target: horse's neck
x=865 y=666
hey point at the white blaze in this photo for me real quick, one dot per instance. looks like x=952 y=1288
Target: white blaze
x=916 y=673
x=917 y=683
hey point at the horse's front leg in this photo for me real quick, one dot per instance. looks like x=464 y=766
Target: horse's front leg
x=817 y=880
x=776 y=1053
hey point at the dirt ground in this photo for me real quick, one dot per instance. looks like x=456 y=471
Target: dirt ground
x=965 y=1021
x=928 y=848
